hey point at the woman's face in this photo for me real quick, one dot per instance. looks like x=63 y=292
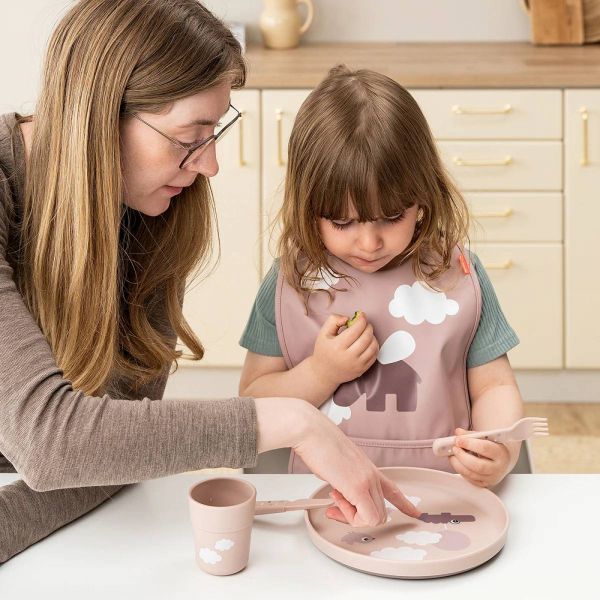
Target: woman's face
x=151 y=172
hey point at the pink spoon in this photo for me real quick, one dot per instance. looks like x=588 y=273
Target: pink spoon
x=267 y=507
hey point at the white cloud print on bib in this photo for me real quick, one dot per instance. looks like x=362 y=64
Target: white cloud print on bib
x=416 y=303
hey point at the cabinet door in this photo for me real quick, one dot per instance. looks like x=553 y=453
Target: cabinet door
x=582 y=215
x=279 y=108
x=218 y=303
x=528 y=281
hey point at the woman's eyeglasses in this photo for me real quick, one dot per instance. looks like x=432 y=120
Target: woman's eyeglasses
x=195 y=149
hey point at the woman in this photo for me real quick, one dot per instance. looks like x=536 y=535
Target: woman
x=105 y=210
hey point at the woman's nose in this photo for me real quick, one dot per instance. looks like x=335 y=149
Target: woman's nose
x=206 y=164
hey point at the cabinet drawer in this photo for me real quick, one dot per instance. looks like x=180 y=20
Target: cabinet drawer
x=515 y=216
x=492 y=114
x=528 y=281
x=494 y=165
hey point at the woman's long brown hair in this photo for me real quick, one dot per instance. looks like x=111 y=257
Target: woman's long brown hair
x=94 y=271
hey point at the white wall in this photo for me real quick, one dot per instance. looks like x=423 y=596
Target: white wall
x=25 y=26
x=397 y=20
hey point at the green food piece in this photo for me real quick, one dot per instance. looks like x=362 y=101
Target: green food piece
x=351 y=321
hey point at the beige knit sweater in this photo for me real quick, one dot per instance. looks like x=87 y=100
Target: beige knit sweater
x=74 y=451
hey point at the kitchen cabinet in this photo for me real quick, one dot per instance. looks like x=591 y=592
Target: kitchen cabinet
x=279 y=108
x=582 y=215
x=514 y=187
x=528 y=163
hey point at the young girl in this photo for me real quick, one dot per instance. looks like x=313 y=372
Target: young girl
x=372 y=223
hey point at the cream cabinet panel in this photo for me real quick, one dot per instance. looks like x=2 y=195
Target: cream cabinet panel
x=582 y=240
x=217 y=307
x=493 y=165
x=492 y=114
x=516 y=216
x=528 y=281
x=279 y=109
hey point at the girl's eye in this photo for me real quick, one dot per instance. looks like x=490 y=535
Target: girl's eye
x=341 y=224
x=395 y=218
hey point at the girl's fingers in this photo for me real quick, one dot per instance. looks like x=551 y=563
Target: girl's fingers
x=474 y=478
x=370 y=354
x=478 y=464
x=484 y=448
x=363 y=342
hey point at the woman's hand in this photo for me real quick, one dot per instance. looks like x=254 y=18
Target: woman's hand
x=345 y=356
x=482 y=462
x=359 y=487
x=329 y=454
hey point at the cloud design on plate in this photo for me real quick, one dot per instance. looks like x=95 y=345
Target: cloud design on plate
x=402 y=553
x=224 y=544
x=336 y=413
x=418 y=303
x=397 y=347
x=209 y=556
x=419 y=538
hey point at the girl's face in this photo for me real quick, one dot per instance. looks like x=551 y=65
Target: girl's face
x=368 y=246
x=151 y=172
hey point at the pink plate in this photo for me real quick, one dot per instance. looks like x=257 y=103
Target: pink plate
x=462 y=526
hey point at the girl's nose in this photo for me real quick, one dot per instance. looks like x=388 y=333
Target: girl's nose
x=206 y=164
x=369 y=240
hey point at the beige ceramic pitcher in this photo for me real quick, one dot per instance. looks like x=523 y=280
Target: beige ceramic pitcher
x=280 y=22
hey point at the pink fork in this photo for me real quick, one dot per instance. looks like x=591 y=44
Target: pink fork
x=521 y=430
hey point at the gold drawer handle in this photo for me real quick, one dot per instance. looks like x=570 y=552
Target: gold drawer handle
x=507 y=264
x=463 y=110
x=279 y=118
x=461 y=162
x=241 y=149
x=584 y=135
x=493 y=215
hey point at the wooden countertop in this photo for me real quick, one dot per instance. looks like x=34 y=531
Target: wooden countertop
x=432 y=65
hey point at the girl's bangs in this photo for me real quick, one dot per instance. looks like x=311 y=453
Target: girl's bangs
x=357 y=182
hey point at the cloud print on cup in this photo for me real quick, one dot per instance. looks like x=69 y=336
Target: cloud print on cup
x=210 y=557
x=418 y=303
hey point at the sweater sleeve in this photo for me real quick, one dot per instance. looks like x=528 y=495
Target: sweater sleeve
x=58 y=437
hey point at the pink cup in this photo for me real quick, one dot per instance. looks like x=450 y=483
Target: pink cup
x=222 y=512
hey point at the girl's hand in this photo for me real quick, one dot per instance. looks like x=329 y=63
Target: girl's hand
x=482 y=462
x=360 y=488
x=344 y=357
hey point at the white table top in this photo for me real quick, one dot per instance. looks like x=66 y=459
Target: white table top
x=139 y=545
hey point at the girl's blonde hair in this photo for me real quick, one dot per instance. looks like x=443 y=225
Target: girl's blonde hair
x=361 y=140
x=93 y=271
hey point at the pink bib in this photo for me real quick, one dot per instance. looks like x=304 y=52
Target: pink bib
x=416 y=391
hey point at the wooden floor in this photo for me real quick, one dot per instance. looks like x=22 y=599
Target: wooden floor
x=573 y=445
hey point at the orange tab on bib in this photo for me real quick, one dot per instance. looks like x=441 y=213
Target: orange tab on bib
x=464 y=263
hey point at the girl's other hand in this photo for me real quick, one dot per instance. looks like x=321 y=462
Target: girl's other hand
x=482 y=462
x=345 y=356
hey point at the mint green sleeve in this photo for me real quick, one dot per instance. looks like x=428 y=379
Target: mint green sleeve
x=260 y=335
x=494 y=336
